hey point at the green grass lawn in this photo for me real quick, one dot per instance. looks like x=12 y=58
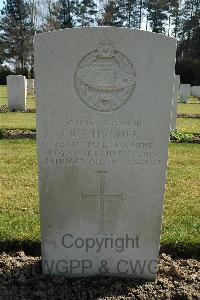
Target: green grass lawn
x=20 y=120
x=19 y=219
x=27 y=121
x=193 y=107
x=194 y=99
x=12 y=120
x=189 y=108
x=19 y=195
x=3 y=94
x=188 y=125
x=182 y=206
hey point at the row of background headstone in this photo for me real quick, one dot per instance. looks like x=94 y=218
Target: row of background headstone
x=17 y=98
x=19 y=87
x=30 y=86
x=186 y=91
x=195 y=91
x=176 y=93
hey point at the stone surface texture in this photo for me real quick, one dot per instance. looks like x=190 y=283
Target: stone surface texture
x=195 y=91
x=176 y=93
x=17 y=86
x=30 y=86
x=185 y=92
x=103 y=115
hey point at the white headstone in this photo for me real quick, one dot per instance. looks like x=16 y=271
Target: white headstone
x=16 y=92
x=185 y=91
x=103 y=117
x=174 y=102
x=30 y=86
x=195 y=91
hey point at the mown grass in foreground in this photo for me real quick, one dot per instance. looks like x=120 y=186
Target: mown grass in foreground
x=189 y=108
x=181 y=222
x=18 y=120
x=188 y=125
x=19 y=219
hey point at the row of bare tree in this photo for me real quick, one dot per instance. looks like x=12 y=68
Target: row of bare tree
x=20 y=20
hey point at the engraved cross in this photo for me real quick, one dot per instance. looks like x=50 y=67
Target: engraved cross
x=101 y=197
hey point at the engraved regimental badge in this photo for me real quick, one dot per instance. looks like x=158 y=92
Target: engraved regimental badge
x=105 y=78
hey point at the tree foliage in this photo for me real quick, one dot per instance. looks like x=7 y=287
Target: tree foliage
x=16 y=31
x=20 y=19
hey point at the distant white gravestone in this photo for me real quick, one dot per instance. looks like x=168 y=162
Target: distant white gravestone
x=17 y=86
x=103 y=116
x=195 y=91
x=185 y=91
x=176 y=92
x=30 y=86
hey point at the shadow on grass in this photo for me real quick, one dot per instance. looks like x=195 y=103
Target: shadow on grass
x=179 y=250
x=28 y=246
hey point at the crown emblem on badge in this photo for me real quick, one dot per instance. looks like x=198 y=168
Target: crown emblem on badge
x=105 y=49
